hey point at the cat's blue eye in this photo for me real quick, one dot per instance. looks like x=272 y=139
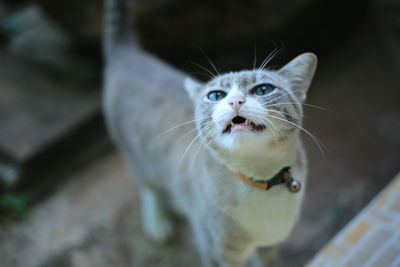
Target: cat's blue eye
x=216 y=95
x=262 y=89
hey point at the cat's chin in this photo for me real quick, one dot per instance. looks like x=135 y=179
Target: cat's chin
x=242 y=138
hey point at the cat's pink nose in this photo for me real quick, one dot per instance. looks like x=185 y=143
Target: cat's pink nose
x=237 y=102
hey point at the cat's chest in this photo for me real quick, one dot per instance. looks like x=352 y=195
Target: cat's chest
x=268 y=216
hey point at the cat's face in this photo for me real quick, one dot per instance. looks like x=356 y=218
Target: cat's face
x=241 y=110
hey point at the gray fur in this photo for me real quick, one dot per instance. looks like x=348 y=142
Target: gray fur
x=144 y=97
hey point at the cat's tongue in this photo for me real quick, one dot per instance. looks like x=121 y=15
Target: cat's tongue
x=241 y=127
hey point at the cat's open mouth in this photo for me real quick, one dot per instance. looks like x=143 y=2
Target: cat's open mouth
x=240 y=123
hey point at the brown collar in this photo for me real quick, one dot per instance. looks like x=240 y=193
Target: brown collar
x=284 y=176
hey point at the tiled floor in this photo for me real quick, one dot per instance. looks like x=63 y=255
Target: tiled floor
x=371 y=239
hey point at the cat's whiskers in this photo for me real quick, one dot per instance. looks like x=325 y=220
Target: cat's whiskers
x=202 y=73
x=312 y=136
x=203 y=68
x=209 y=61
x=206 y=134
x=273 y=129
x=186 y=134
x=257 y=118
x=182 y=124
x=191 y=131
x=267 y=104
x=271 y=55
x=284 y=113
x=260 y=117
x=276 y=98
x=255 y=56
x=187 y=148
x=303 y=104
x=208 y=125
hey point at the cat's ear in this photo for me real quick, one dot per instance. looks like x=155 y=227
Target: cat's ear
x=192 y=87
x=300 y=72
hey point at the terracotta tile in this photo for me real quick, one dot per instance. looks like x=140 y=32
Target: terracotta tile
x=355 y=234
x=368 y=248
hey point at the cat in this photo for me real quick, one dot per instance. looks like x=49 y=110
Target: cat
x=247 y=126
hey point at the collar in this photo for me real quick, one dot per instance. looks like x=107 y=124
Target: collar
x=282 y=177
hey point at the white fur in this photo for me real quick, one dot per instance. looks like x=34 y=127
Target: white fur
x=268 y=217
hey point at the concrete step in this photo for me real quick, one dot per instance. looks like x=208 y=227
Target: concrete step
x=43 y=116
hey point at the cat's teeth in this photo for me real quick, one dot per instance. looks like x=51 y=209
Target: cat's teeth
x=247 y=121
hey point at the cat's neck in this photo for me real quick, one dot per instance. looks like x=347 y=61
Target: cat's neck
x=263 y=161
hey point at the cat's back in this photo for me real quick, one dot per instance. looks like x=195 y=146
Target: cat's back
x=140 y=77
x=145 y=92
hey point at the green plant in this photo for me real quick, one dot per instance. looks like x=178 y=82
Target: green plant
x=12 y=206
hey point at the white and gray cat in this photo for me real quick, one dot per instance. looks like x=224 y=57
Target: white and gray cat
x=246 y=122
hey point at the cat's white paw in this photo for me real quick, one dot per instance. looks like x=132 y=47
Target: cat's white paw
x=159 y=231
x=156 y=223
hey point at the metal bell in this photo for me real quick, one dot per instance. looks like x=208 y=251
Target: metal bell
x=294 y=185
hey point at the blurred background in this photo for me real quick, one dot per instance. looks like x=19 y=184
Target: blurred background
x=66 y=198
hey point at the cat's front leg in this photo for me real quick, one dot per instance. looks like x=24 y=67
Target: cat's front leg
x=233 y=253
x=155 y=221
x=265 y=257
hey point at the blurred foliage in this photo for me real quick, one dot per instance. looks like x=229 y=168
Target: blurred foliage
x=13 y=206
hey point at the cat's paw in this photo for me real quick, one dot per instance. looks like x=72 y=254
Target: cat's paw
x=157 y=225
x=160 y=230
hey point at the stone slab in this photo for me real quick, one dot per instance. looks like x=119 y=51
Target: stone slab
x=38 y=108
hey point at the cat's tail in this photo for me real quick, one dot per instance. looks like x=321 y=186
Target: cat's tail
x=118 y=25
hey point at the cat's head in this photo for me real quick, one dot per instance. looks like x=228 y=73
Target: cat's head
x=237 y=110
